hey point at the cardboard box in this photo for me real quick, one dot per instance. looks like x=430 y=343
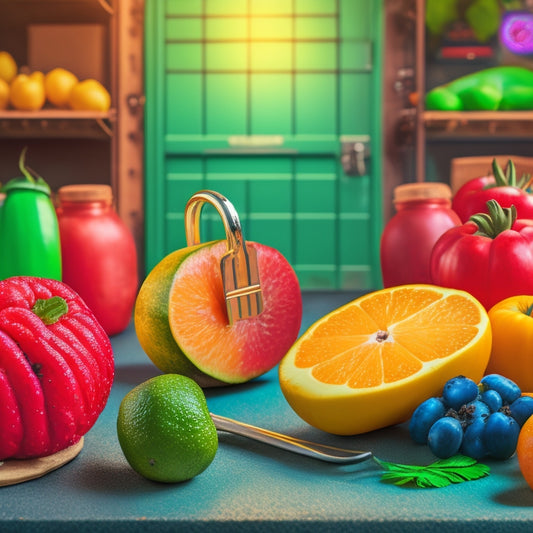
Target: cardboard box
x=80 y=48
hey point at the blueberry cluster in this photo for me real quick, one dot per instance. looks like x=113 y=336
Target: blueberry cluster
x=475 y=420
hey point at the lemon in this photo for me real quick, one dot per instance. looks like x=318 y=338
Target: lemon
x=165 y=430
x=27 y=91
x=4 y=94
x=8 y=67
x=89 y=95
x=57 y=85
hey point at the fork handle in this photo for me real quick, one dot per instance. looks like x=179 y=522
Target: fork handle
x=326 y=453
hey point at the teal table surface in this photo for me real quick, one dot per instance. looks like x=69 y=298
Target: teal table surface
x=253 y=487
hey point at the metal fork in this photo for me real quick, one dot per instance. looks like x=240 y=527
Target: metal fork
x=330 y=454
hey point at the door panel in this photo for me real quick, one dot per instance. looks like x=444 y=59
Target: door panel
x=253 y=98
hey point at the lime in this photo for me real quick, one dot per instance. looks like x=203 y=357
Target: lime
x=165 y=430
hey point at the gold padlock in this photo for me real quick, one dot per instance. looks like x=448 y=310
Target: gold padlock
x=240 y=274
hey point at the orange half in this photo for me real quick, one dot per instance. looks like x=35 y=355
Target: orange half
x=370 y=363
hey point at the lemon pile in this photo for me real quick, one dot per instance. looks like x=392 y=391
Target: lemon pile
x=60 y=88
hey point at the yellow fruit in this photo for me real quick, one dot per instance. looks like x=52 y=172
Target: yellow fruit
x=8 y=67
x=89 y=95
x=27 y=92
x=165 y=429
x=370 y=363
x=57 y=85
x=4 y=94
x=512 y=340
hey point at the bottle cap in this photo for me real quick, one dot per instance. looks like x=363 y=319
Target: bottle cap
x=421 y=191
x=85 y=193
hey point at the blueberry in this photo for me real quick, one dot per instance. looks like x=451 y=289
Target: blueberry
x=458 y=391
x=507 y=389
x=476 y=409
x=522 y=409
x=500 y=435
x=445 y=437
x=492 y=399
x=425 y=415
x=473 y=445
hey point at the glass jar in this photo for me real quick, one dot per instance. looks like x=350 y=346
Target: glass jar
x=423 y=214
x=99 y=255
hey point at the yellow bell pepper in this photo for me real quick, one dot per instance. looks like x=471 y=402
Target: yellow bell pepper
x=512 y=340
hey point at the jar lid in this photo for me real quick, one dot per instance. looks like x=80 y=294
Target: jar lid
x=85 y=193
x=422 y=190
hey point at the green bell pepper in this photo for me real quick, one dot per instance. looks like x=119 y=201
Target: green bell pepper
x=29 y=231
x=496 y=88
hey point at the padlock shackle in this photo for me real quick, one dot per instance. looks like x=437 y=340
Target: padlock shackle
x=225 y=209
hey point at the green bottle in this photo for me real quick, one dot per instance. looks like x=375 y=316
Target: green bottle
x=29 y=232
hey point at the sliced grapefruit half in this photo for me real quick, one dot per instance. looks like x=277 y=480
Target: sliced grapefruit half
x=182 y=324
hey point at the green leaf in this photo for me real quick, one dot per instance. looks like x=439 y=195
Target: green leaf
x=50 y=310
x=439 y=474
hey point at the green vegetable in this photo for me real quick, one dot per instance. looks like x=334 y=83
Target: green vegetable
x=441 y=473
x=496 y=88
x=29 y=231
x=483 y=16
x=440 y=13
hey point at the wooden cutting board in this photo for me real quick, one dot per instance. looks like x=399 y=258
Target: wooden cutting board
x=15 y=471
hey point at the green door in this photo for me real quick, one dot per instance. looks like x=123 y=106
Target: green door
x=258 y=100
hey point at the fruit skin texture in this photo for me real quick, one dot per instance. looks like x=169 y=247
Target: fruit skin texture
x=165 y=430
x=8 y=67
x=524 y=451
x=89 y=95
x=499 y=263
x=486 y=430
x=501 y=435
x=216 y=353
x=27 y=92
x=4 y=94
x=425 y=415
x=505 y=188
x=445 y=437
x=512 y=340
x=458 y=391
x=151 y=319
x=56 y=372
x=341 y=410
x=57 y=85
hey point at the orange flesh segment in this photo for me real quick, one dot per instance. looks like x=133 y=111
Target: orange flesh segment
x=416 y=327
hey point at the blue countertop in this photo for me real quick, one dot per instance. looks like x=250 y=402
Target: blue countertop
x=254 y=487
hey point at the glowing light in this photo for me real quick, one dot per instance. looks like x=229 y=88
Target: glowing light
x=516 y=32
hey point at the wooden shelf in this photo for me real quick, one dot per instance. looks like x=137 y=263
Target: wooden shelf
x=57 y=114
x=478 y=124
x=57 y=123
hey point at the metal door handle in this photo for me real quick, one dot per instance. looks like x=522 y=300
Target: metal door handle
x=353 y=158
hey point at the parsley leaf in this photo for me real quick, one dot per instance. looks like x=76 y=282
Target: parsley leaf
x=441 y=473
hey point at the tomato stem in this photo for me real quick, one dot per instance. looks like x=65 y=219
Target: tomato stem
x=496 y=221
x=529 y=310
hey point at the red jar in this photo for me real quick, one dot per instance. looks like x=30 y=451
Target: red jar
x=423 y=214
x=98 y=254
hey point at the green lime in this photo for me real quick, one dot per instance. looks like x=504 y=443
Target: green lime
x=165 y=429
